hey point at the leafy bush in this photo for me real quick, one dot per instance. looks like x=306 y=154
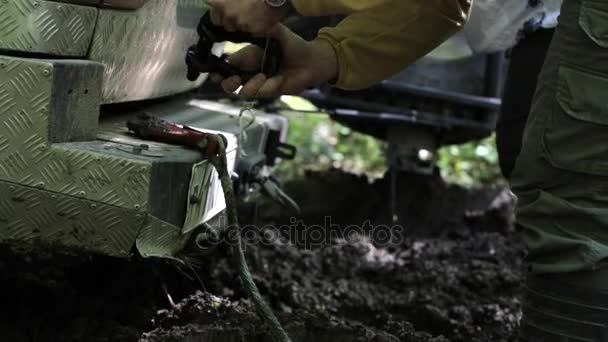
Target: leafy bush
x=471 y=164
x=323 y=144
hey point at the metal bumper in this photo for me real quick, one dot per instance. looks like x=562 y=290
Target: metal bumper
x=73 y=178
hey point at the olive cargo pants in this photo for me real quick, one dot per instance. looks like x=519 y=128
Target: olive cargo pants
x=561 y=181
x=561 y=175
x=525 y=62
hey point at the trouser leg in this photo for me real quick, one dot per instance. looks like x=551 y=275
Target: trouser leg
x=561 y=181
x=525 y=62
x=568 y=307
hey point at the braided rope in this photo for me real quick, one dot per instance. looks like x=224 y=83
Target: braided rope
x=221 y=165
x=244 y=126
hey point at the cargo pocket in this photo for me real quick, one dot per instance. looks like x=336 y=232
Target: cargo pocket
x=576 y=134
x=594 y=20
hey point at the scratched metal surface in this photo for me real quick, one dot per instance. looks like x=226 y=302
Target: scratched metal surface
x=160 y=240
x=143 y=51
x=77 y=194
x=74 y=193
x=38 y=217
x=27 y=157
x=36 y=26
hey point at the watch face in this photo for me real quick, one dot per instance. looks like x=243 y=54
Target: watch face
x=275 y=3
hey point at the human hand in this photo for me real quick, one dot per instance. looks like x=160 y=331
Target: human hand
x=252 y=16
x=304 y=65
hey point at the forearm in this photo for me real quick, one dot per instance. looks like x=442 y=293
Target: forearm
x=325 y=61
x=334 y=7
x=373 y=45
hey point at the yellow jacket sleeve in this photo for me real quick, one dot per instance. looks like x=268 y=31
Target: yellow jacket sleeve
x=334 y=7
x=374 y=44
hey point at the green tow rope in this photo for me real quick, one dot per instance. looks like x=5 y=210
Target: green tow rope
x=221 y=165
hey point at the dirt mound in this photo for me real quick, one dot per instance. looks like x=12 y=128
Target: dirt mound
x=64 y=298
x=459 y=280
x=426 y=205
x=449 y=271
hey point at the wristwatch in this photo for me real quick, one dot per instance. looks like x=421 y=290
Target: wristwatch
x=277 y=3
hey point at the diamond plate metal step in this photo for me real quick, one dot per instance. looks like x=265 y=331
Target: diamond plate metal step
x=45 y=27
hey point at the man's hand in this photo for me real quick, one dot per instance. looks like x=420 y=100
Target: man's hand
x=305 y=64
x=252 y=16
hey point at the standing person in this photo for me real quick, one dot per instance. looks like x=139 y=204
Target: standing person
x=561 y=180
x=558 y=176
x=524 y=28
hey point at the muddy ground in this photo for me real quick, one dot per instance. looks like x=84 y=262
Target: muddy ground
x=448 y=271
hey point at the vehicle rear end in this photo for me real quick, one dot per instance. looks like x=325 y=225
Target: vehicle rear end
x=72 y=177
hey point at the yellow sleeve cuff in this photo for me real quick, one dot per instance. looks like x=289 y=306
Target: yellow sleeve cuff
x=334 y=7
x=374 y=45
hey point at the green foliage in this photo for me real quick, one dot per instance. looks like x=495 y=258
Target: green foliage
x=323 y=144
x=474 y=163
